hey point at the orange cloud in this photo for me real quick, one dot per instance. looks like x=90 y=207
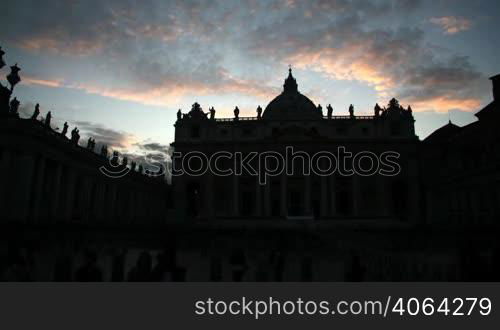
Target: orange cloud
x=53 y=44
x=42 y=82
x=452 y=24
x=445 y=103
x=169 y=94
x=357 y=62
x=354 y=62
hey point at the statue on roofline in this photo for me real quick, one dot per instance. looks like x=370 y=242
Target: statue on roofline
x=114 y=158
x=48 y=118
x=36 y=113
x=14 y=107
x=351 y=111
x=75 y=136
x=104 y=151
x=91 y=144
x=329 y=110
x=13 y=77
x=377 y=110
x=65 y=128
x=259 y=112
x=236 y=113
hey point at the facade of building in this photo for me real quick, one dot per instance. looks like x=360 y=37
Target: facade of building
x=292 y=120
x=461 y=167
x=47 y=179
x=435 y=218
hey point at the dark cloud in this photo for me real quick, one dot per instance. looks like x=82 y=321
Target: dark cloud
x=455 y=76
x=154 y=146
x=149 y=154
x=396 y=61
x=104 y=135
x=162 y=50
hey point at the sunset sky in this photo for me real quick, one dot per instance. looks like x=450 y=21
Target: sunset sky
x=120 y=69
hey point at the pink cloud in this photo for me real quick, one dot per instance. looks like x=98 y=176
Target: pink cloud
x=452 y=24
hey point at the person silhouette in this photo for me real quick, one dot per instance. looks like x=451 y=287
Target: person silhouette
x=89 y=271
x=141 y=272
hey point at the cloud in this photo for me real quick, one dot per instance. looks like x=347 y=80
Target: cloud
x=167 y=89
x=452 y=24
x=42 y=82
x=84 y=27
x=105 y=136
x=395 y=62
x=154 y=147
x=165 y=52
x=26 y=109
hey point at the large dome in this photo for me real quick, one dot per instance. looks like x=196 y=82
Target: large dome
x=291 y=104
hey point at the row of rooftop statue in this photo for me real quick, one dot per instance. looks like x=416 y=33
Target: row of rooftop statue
x=91 y=144
x=10 y=108
x=392 y=108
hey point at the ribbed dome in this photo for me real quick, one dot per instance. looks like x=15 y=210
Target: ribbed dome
x=291 y=104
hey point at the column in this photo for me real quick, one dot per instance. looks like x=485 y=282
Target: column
x=208 y=210
x=236 y=196
x=267 y=198
x=69 y=201
x=333 y=195
x=258 y=198
x=381 y=192
x=100 y=201
x=413 y=192
x=40 y=178
x=24 y=179
x=179 y=196
x=283 y=193
x=324 y=181
x=56 y=193
x=307 y=195
x=133 y=206
x=5 y=175
x=85 y=207
x=111 y=214
x=356 y=195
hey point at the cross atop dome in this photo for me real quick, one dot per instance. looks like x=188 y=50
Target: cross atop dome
x=290 y=85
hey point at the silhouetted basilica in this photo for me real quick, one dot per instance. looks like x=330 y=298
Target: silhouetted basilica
x=292 y=120
x=433 y=218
